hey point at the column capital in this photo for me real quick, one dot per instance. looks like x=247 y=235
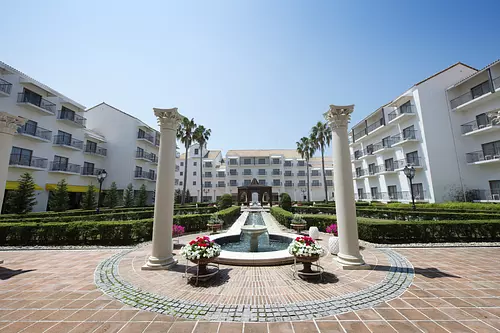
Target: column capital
x=168 y=118
x=339 y=116
x=9 y=123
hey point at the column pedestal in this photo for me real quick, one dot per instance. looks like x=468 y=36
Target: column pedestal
x=161 y=253
x=349 y=256
x=8 y=127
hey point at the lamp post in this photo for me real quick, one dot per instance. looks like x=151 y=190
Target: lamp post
x=409 y=171
x=214 y=195
x=303 y=194
x=100 y=178
x=198 y=197
x=205 y=191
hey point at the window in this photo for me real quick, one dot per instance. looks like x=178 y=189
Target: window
x=194 y=182
x=247 y=172
x=409 y=133
x=157 y=138
x=208 y=174
x=412 y=158
x=233 y=182
x=91 y=147
x=302 y=183
x=88 y=168
x=262 y=161
x=208 y=164
x=63 y=138
x=315 y=182
x=194 y=173
x=288 y=173
x=182 y=163
x=153 y=157
x=374 y=192
x=32 y=97
x=233 y=161
x=220 y=174
x=262 y=182
x=386 y=142
x=195 y=163
x=221 y=183
x=301 y=173
x=208 y=184
x=276 y=182
x=357 y=154
x=328 y=172
x=495 y=189
x=418 y=191
x=389 y=164
x=262 y=172
x=361 y=194
x=247 y=161
x=21 y=156
x=405 y=108
x=151 y=174
x=288 y=183
x=60 y=163
x=479 y=90
x=233 y=172
x=358 y=172
x=369 y=149
x=371 y=168
x=67 y=113
x=276 y=171
x=246 y=182
x=138 y=170
x=196 y=151
x=315 y=173
x=301 y=163
x=393 y=192
x=288 y=163
x=140 y=152
x=329 y=182
x=180 y=183
x=30 y=127
x=176 y=181
x=141 y=134
x=491 y=149
x=276 y=161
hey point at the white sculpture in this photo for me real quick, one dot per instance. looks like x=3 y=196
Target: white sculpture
x=314 y=232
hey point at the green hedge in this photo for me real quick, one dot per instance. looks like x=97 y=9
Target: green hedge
x=101 y=232
x=390 y=231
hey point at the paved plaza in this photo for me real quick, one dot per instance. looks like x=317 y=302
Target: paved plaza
x=452 y=290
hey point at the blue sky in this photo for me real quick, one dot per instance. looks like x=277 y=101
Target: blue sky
x=269 y=66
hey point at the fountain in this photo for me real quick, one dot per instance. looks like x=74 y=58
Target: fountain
x=254 y=231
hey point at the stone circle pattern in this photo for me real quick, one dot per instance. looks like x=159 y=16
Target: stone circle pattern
x=398 y=279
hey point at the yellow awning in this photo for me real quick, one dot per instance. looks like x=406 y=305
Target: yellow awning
x=13 y=185
x=71 y=188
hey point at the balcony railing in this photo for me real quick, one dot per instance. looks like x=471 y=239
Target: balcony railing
x=302 y=183
x=207 y=185
x=66 y=141
x=208 y=165
x=91 y=171
x=276 y=172
x=368 y=151
x=41 y=103
x=208 y=174
x=404 y=136
x=359 y=134
x=288 y=164
x=383 y=167
x=409 y=109
x=233 y=173
x=382 y=145
x=301 y=164
x=316 y=184
x=373 y=170
x=247 y=173
x=301 y=174
x=276 y=183
x=33 y=130
x=414 y=161
x=361 y=173
x=146 y=136
x=485 y=195
x=65 y=167
x=221 y=185
x=496 y=82
x=263 y=183
x=23 y=160
x=221 y=175
x=288 y=184
x=261 y=173
x=481 y=90
x=474 y=125
x=5 y=87
x=315 y=174
x=370 y=128
x=364 y=196
x=289 y=174
x=141 y=174
x=478 y=156
x=73 y=117
x=177 y=168
x=328 y=173
x=96 y=150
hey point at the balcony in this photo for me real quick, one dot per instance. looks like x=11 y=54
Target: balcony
x=360 y=173
x=485 y=195
x=366 y=153
x=208 y=175
x=373 y=171
x=316 y=184
x=247 y=172
x=301 y=164
x=478 y=157
x=382 y=146
x=288 y=164
x=302 y=183
x=288 y=184
x=177 y=168
x=289 y=174
x=276 y=183
x=148 y=137
x=405 y=137
x=233 y=173
x=27 y=162
x=415 y=162
x=261 y=173
x=364 y=196
x=5 y=88
x=473 y=127
x=65 y=141
x=329 y=173
x=374 y=126
x=61 y=167
x=221 y=175
x=276 y=173
x=91 y=171
x=385 y=169
x=144 y=155
x=38 y=104
x=141 y=174
x=207 y=185
x=301 y=174
x=71 y=118
x=315 y=174
x=221 y=185
x=34 y=132
x=359 y=135
x=208 y=165
x=405 y=196
x=95 y=150
x=474 y=94
x=401 y=112
x=233 y=184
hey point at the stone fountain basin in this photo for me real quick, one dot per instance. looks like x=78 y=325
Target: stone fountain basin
x=254 y=229
x=253 y=258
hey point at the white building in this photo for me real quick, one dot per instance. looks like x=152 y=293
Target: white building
x=54 y=143
x=283 y=169
x=420 y=128
x=132 y=148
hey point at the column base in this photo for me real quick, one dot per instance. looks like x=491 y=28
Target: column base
x=159 y=263
x=349 y=262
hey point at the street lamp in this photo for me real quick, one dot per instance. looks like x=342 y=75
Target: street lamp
x=409 y=171
x=206 y=191
x=214 y=195
x=100 y=178
x=303 y=194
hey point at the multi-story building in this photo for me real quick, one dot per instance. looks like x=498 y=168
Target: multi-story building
x=132 y=148
x=417 y=128
x=54 y=143
x=474 y=104
x=282 y=169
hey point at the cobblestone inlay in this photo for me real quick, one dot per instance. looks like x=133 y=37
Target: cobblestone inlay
x=397 y=280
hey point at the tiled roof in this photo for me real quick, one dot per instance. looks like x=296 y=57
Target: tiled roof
x=476 y=73
x=212 y=154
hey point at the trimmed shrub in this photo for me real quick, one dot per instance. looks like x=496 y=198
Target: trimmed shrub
x=286 y=202
x=226 y=201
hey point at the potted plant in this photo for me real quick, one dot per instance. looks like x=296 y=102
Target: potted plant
x=306 y=250
x=177 y=230
x=215 y=222
x=298 y=223
x=201 y=251
x=333 y=241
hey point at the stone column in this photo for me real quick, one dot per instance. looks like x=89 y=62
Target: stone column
x=349 y=256
x=8 y=127
x=161 y=254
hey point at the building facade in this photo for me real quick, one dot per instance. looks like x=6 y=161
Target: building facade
x=132 y=148
x=435 y=127
x=283 y=169
x=55 y=142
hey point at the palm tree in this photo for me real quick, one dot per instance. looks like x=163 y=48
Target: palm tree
x=306 y=151
x=321 y=135
x=201 y=136
x=185 y=135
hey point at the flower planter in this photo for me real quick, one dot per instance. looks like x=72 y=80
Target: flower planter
x=298 y=227
x=333 y=245
x=307 y=262
x=214 y=227
x=202 y=265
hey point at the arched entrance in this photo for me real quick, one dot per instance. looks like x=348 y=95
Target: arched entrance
x=254 y=189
